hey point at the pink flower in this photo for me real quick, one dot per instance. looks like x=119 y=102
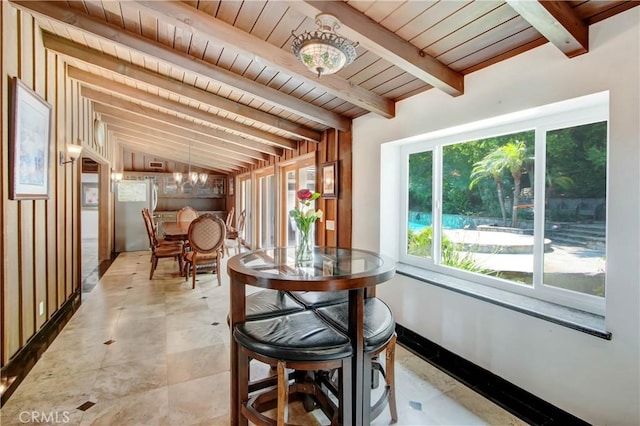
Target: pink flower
x=304 y=194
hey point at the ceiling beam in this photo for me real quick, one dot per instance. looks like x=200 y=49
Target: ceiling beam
x=153 y=147
x=160 y=102
x=78 y=20
x=357 y=26
x=176 y=143
x=226 y=138
x=190 y=19
x=144 y=148
x=557 y=22
x=172 y=148
x=96 y=58
x=175 y=131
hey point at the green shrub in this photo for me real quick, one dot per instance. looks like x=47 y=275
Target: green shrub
x=420 y=245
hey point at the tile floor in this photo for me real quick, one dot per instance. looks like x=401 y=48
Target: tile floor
x=90 y=264
x=156 y=352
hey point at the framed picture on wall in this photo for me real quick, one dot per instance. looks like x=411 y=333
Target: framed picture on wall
x=329 y=179
x=29 y=143
x=231 y=186
x=89 y=195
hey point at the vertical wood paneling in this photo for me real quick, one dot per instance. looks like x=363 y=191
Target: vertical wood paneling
x=11 y=290
x=40 y=239
x=51 y=248
x=68 y=188
x=345 y=197
x=3 y=127
x=59 y=187
x=104 y=224
x=40 y=210
x=26 y=246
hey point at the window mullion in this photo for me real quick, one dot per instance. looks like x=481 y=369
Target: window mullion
x=539 y=209
x=436 y=248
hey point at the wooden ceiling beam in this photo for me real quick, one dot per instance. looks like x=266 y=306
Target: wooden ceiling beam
x=374 y=37
x=152 y=146
x=144 y=148
x=59 y=12
x=197 y=154
x=230 y=141
x=143 y=96
x=557 y=22
x=176 y=143
x=93 y=57
x=176 y=132
x=188 y=18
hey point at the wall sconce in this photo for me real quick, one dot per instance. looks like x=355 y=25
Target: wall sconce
x=73 y=153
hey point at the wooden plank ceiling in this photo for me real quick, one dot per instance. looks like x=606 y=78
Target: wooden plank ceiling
x=218 y=78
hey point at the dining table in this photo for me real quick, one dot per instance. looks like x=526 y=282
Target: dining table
x=176 y=230
x=180 y=231
x=330 y=269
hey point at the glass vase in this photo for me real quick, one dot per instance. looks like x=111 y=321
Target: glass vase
x=304 y=244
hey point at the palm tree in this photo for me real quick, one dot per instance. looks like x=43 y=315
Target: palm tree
x=513 y=157
x=490 y=167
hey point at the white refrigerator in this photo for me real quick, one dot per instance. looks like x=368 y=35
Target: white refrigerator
x=130 y=198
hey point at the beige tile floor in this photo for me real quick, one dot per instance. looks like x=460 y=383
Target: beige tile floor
x=156 y=353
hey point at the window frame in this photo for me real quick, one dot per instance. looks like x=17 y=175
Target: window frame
x=575 y=112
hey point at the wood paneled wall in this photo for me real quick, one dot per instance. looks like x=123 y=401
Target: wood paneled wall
x=40 y=238
x=334 y=146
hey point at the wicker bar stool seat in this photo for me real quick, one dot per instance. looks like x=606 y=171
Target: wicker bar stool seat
x=302 y=341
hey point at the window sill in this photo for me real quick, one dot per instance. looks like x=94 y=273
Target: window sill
x=557 y=314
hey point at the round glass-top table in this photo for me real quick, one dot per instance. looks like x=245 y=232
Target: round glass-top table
x=331 y=269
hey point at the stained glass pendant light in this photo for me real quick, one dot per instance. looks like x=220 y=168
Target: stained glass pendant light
x=323 y=51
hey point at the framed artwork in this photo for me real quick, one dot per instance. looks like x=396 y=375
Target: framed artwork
x=231 y=185
x=90 y=195
x=329 y=179
x=29 y=143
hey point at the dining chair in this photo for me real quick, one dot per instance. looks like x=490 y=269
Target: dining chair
x=234 y=235
x=206 y=238
x=229 y=221
x=152 y=228
x=160 y=249
x=186 y=214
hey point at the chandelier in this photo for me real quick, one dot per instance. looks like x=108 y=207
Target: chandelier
x=323 y=51
x=193 y=178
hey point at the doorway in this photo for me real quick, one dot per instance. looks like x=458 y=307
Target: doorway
x=96 y=240
x=89 y=222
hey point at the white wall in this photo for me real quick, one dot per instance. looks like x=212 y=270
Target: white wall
x=89 y=217
x=592 y=378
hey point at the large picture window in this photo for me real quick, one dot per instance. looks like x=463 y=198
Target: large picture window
x=520 y=205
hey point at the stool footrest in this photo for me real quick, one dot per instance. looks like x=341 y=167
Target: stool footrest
x=267 y=400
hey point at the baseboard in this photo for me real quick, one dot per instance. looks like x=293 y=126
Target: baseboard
x=517 y=401
x=14 y=372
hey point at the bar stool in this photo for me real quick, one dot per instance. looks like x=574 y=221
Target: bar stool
x=379 y=335
x=269 y=303
x=318 y=299
x=302 y=341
